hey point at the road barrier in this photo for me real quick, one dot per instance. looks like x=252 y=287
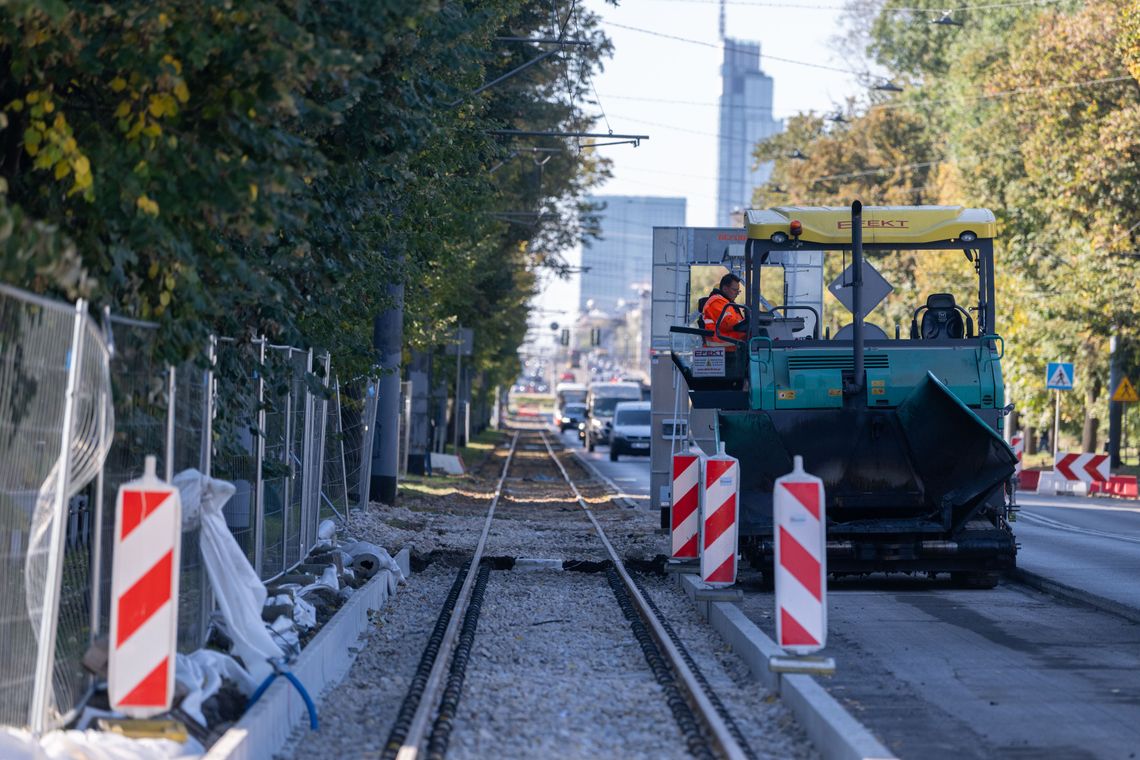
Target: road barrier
x=144 y=594
x=720 y=513
x=685 y=501
x=799 y=513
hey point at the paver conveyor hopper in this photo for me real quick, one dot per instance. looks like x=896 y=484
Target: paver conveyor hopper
x=904 y=429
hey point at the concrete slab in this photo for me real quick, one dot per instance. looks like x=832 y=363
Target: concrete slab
x=530 y=564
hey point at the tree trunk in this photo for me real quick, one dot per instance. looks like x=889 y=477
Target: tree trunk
x=1088 y=435
x=1030 y=440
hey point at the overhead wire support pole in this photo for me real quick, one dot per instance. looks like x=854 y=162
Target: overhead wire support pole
x=635 y=139
x=508 y=75
x=544 y=41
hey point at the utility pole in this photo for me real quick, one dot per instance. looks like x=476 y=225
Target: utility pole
x=458 y=382
x=1115 y=408
x=419 y=374
x=388 y=338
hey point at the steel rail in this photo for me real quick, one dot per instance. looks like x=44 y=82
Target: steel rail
x=433 y=690
x=722 y=739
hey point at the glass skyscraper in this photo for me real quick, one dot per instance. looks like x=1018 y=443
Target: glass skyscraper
x=622 y=259
x=745 y=119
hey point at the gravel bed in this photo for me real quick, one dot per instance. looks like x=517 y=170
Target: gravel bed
x=766 y=722
x=555 y=670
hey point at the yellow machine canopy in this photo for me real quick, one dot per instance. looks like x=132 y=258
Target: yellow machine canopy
x=881 y=224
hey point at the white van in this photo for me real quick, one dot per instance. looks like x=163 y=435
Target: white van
x=600 y=409
x=631 y=428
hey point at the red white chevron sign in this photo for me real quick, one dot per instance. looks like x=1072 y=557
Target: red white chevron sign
x=685 y=502
x=1086 y=468
x=719 y=515
x=801 y=561
x=144 y=596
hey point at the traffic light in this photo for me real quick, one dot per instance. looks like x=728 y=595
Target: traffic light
x=565 y=339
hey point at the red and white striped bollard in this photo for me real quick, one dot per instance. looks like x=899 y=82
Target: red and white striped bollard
x=801 y=561
x=144 y=596
x=719 y=516
x=685 y=502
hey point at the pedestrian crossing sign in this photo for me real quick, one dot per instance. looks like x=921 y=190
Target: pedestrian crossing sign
x=1059 y=376
x=1125 y=392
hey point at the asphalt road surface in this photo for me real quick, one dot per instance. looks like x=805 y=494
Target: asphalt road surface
x=1089 y=543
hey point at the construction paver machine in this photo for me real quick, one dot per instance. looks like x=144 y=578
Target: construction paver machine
x=903 y=425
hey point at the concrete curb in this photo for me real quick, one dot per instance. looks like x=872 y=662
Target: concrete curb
x=265 y=729
x=835 y=733
x=625 y=501
x=1074 y=594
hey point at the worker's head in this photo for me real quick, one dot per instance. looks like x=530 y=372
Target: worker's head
x=730 y=286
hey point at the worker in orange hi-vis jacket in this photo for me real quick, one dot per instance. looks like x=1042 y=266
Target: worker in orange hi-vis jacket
x=734 y=325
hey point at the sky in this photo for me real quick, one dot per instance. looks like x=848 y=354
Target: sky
x=668 y=89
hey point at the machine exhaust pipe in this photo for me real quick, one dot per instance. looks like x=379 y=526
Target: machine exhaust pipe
x=857 y=381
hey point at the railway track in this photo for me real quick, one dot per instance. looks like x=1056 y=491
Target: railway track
x=535 y=484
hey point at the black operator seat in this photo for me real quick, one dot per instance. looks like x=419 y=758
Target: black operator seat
x=941 y=318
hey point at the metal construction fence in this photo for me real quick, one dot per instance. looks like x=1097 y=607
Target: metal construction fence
x=91 y=402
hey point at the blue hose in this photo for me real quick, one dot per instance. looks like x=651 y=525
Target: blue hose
x=280 y=670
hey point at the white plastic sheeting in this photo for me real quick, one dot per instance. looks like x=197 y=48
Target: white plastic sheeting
x=238 y=591
x=201 y=674
x=91 y=745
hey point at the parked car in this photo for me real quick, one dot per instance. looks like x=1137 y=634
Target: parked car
x=631 y=429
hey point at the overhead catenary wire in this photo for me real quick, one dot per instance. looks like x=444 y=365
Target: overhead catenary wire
x=719 y=46
x=815 y=7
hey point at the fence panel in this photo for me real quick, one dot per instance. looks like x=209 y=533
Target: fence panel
x=55 y=419
x=358 y=418
x=252 y=421
x=237 y=437
x=334 y=482
x=192 y=412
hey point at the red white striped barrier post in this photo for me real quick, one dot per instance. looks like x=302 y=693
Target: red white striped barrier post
x=144 y=596
x=685 y=502
x=801 y=561
x=1017 y=443
x=719 y=519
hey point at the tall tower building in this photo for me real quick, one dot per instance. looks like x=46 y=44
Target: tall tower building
x=745 y=119
x=622 y=259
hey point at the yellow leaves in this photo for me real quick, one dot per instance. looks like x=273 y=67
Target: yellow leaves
x=152 y=272
x=16 y=105
x=123 y=110
x=181 y=92
x=118 y=84
x=252 y=191
x=173 y=63
x=53 y=147
x=146 y=205
x=162 y=104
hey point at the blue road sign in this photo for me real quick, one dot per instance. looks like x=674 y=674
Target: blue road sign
x=1059 y=376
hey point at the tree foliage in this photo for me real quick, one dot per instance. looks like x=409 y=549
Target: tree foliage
x=1032 y=111
x=259 y=167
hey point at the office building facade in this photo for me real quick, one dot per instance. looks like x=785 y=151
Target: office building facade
x=745 y=119
x=622 y=259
